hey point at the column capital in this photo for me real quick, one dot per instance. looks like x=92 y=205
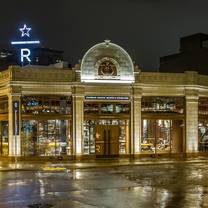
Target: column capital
x=192 y=95
x=78 y=91
x=15 y=91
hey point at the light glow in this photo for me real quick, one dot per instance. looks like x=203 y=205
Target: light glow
x=25 y=31
x=25 y=42
x=25 y=53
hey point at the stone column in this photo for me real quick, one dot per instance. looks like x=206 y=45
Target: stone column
x=14 y=115
x=136 y=121
x=78 y=118
x=177 y=136
x=191 y=121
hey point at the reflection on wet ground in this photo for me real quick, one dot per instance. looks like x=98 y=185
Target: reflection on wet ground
x=175 y=185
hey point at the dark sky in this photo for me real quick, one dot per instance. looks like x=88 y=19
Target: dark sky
x=147 y=29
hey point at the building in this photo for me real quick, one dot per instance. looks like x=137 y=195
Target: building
x=104 y=106
x=193 y=56
x=40 y=56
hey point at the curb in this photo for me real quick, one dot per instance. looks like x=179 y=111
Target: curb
x=106 y=165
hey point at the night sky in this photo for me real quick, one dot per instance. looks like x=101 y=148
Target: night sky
x=147 y=29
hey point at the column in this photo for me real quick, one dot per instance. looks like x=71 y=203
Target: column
x=78 y=118
x=14 y=116
x=191 y=121
x=136 y=121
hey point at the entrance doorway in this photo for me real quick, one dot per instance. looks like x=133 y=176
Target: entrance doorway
x=107 y=140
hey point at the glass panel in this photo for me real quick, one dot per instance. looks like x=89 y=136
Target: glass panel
x=4 y=106
x=46 y=137
x=89 y=140
x=163 y=136
x=148 y=136
x=122 y=108
x=4 y=143
x=203 y=106
x=107 y=108
x=156 y=136
x=203 y=136
x=163 y=104
x=29 y=138
x=91 y=108
x=46 y=105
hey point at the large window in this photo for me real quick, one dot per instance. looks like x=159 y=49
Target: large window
x=3 y=106
x=203 y=124
x=162 y=136
x=46 y=105
x=46 y=137
x=203 y=136
x=106 y=108
x=4 y=143
x=163 y=104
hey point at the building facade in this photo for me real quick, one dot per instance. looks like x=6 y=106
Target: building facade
x=104 y=106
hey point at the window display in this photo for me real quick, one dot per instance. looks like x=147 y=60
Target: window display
x=203 y=136
x=106 y=108
x=46 y=137
x=156 y=136
x=163 y=104
x=4 y=143
x=46 y=105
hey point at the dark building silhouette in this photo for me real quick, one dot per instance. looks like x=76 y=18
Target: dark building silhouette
x=193 y=56
x=40 y=56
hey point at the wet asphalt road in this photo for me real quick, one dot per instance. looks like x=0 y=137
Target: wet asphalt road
x=174 y=185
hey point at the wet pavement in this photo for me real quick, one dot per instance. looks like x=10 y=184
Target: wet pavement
x=178 y=184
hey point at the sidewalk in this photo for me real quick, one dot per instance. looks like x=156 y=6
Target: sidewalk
x=99 y=163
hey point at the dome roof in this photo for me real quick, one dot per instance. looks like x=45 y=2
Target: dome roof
x=107 y=62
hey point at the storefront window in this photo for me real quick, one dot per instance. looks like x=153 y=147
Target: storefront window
x=4 y=106
x=106 y=108
x=203 y=124
x=122 y=108
x=162 y=136
x=156 y=136
x=91 y=108
x=203 y=136
x=46 y=105
x=46 y=137
x=4 y=143
x=163 y=104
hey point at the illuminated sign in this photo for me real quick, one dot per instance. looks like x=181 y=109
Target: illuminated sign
x=25 y=31
x=15 y=117
x=106 y=98
x=25 y=52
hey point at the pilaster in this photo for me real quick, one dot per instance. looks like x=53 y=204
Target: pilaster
x=78 y=118
x=14 y=115
x=191 y=121
x=136 y=121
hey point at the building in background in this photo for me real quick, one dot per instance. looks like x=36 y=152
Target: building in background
x=40 y=56
x=192 y=56
x=103 y=107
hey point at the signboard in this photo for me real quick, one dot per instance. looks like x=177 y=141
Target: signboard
x=106 y=98
x=15 y=112
x=24 y=45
